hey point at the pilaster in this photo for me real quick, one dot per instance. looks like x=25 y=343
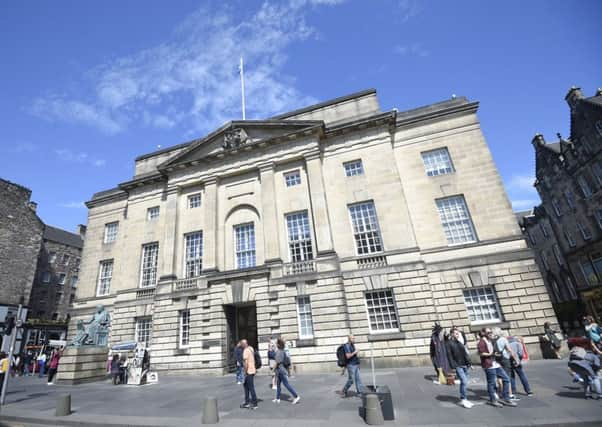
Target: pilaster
x=168 y=246
x=210 y=229
x=319 y=205
x=269 y=213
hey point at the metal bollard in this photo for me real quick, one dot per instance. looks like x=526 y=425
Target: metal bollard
x=210 y=413
x=373 y=411
x=63 y=405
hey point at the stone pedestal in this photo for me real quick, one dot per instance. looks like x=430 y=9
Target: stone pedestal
x=83 y=364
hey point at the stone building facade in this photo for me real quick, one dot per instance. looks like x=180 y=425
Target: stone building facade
x=334 y=219
x=20 y=241
x=565 y=231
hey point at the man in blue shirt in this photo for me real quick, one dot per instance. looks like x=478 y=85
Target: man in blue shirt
x=353 y=367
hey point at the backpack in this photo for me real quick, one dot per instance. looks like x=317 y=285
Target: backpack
x=517 y=347
x=257 y=358
x=341 y=356
x=594 y=334
x=287 y=361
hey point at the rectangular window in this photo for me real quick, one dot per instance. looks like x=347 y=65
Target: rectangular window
x=365 y=228
x=544 y=261
x=599 y=217
x=588 y=272
x=299 y=237
x=557 y=254
x=46 y=277
x=571 y=287
x=66 y=259
x=353 y=168
x=306 y=325
x=584 y=185
x=104 y=277
x=184 y=329
x=556 y=207
x=597 y=261
x=585 y=231
x=58 y=298
x=52 y=257
x=482 y=305
x=570 y=198
x=382 y=313
x=71 y=299
x=111 y=232
x=245 y=245
x=144 y=328
x=62 y=277
x=456 y=221
x=194 y=201
x=569 y=238
x=292 y=178
x=437 y=162
x=597 y=167
x=77 y=262
x=152 y=213
x=74 y=280
x=150 y=254
x=544 y=229
x=194 y=254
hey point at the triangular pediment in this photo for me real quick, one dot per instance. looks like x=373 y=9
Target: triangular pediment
x=236 y=135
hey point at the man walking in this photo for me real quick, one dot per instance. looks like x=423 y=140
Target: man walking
x=493 y=370
x=353 y=367
x=511 y=361
x=248 y=357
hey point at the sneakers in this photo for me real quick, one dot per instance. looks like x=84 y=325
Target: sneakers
x=465 y=403
x=343 y=393
x=496 y=396
x=296 y=400
x=245 y=406
x=508 y=403
x=253 y=406
x=530 y=393
x=50 y=383
x=514 y=398
x=238 y=382
x=576 y=379
x=276 y=400
x=495 y=403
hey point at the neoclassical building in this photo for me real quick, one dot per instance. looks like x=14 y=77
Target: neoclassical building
x=333 y=219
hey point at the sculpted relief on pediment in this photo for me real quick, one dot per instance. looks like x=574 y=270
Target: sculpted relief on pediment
x=234 y=138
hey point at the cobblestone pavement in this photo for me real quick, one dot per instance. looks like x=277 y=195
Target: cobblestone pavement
x=177 y=401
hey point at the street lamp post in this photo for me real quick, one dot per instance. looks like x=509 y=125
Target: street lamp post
x=13 y=338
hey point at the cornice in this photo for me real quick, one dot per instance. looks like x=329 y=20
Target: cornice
x=433 y=115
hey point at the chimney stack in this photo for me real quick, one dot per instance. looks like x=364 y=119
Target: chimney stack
x=538 y=140
x=33 y=206
x=573 y=95
x=81 y=230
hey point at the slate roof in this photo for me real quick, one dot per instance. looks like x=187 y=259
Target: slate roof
x=61 y=236
x=554 y=146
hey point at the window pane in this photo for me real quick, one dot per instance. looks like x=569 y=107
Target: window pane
x=299 y=237
x=194 y=254
x=456 y=220
x=365 y=228
x=292 y=178
x=194 y=201
x=111 y=232
x=382 y=314
x=150 y=254
x=245 y=245
x=353 y=168
x=184 y=328
x=306 y=327
x=104 y=277
x=143 y=330
x=437 y=162
x=481 y=304
x=152 y=213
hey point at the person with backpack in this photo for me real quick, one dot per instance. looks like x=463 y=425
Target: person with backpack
x=272 y=362
x=353 y=367
x=459 y=360
x=283 y=361
x=493 y=370
x=594 y=333
x=508 y=358
x=249 y=357
x=587 y=365
x=516 y=344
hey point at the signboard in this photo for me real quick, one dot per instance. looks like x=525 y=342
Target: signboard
x=57 y=343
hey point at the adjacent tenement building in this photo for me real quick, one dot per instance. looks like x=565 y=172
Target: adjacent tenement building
x=566 y=230
x=334 y=219
x=20 y=242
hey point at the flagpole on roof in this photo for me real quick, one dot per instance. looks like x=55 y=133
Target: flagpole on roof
x=242 y=87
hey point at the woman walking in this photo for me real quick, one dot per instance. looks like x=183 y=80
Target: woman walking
x=282 y=362
x=459 y=360
x=53 y=365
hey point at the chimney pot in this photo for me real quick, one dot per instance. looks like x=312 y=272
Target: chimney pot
x=33 y=206
x=81 y=230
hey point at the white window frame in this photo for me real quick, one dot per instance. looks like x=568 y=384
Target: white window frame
x=557 y=254
x=353 y=168
x=365 y=227
x=556 y=207
x=586 y=190
x=437 y=162
x=292 y=178
x=389 y=310
x=153 y=213
x=147 y=322
x=111 y=230
x=193 y=255
x=304 y=317
x=569 y=238
x=298 y=231
x=584 y=230
x=184 y=328
x=245 y=257
x=148 y=265
x=195 y=201
x=463 y=224
x=479 y=297
x=105 y=275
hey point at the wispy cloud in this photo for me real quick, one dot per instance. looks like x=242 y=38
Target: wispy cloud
x=72 y=205
x=521 y=191
x=521 y=182
x=412 y=49
x=407 y=9
x=192 y=78
x=23 y=147
x=66 y=155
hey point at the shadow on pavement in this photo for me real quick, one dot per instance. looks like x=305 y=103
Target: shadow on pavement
x=574 y=394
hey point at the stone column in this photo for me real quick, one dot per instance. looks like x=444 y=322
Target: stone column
x=210 y=228
x=319 y=205
x=269 y=214
x=167 y=248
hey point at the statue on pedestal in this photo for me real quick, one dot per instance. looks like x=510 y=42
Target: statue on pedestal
x=95 y=331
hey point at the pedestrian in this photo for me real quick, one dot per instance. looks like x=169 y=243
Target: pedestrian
x=41 y=363
x=27 y=358
x=516 y=343
x=3 y=368
x=291 y=367
x=594 y=333
x=554 y=342
x=272 y=362
x=123 y=369
x=282 y=363
x=507 y=357
x=248 y=357
x=493 y=370
x=115 y=371
x=240 y=369
x=353 y=367
x=15 y=368
x=459 y=360
x=587 y=365
x=53 y=365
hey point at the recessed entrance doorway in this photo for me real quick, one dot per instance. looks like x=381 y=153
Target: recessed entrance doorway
x=241 y=320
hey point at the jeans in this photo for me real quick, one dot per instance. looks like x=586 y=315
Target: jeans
x=462 y=373
x=492 y=375
x=353 y=371
x=249 y=386
x=42 y=366
x=282 y=377
x=51 y=374
x=240 y=374
x=523 y=379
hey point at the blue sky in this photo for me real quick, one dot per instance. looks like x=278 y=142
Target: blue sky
x=88 y=86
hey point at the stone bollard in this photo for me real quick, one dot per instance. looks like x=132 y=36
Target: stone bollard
x=373 y=411
x=63 y=405
x=210 y=413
